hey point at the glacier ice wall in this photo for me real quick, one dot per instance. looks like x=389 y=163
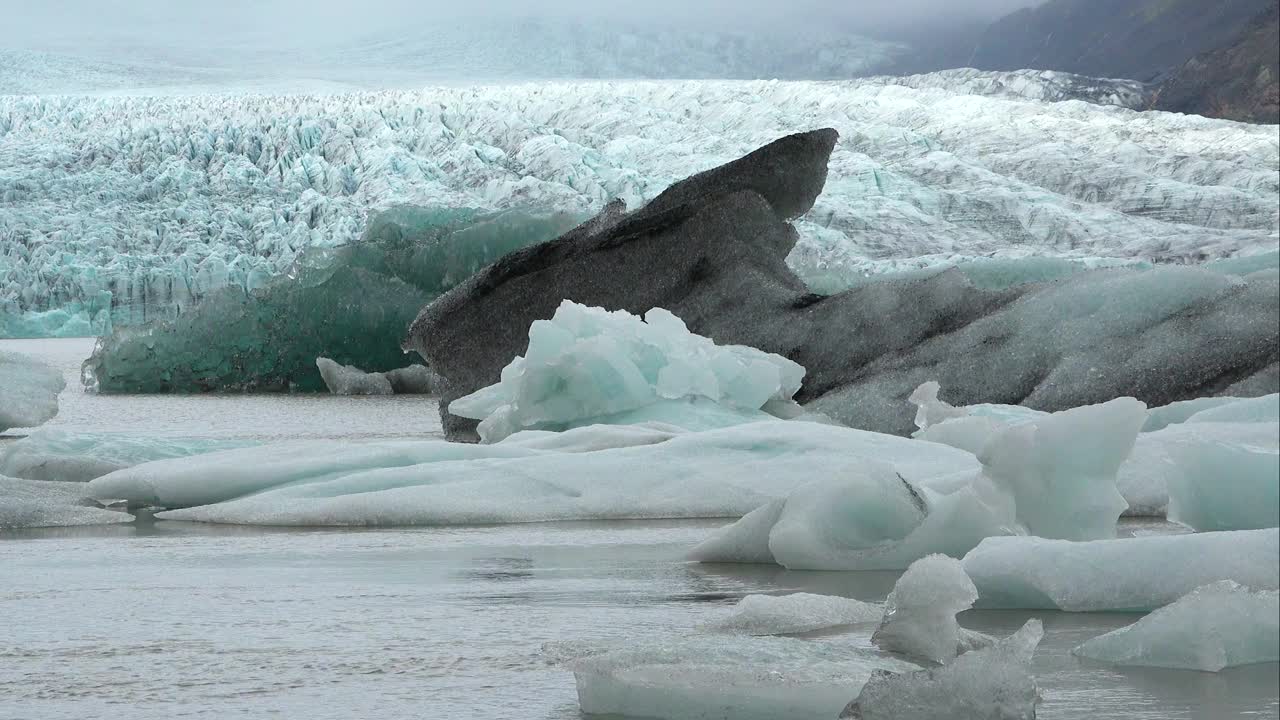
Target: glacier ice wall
x=146 y=205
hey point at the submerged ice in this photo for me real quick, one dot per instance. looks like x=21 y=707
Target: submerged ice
x=42 y=503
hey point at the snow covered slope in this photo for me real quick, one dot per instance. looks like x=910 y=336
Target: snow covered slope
x=145 y=203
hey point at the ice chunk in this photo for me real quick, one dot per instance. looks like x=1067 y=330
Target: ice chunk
x=413 y=380
x=868 y=520
x=994 y=683
x=586 y=363
x=1140 y=483
x=648 y=471
x=40 y=503
x=351 y=380
x=1062 y=469
x=1211 y=628
x=726 y=677
x=1265 y=409
x=1052 y=475
x=1224 y=472
x=1179 y=412
x=28 y=391
x=920 y=614
x=795 y=613
x=51 y=454
x=1129 y=574
x=1228 y=480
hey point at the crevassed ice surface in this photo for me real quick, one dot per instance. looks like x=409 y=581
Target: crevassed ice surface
x=133 y=202
x=1211 y=628
x=1128 y=574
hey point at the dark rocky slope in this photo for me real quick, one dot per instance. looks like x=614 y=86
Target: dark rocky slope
x=1239 y=81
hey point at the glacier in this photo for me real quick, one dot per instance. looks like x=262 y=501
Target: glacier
x=1213 y=627
x=205 y=192
x=1125 y=575
x=28 y=391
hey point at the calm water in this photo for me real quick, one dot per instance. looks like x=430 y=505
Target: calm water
x=167 y=620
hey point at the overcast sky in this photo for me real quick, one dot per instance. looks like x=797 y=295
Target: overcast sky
x=291 y=23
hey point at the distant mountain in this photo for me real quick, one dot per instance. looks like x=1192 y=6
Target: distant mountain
x=1135 y=39
x=1239 y=81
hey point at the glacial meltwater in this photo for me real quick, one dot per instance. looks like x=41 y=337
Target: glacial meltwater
x=163 y=619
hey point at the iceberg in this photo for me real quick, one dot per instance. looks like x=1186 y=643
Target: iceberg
x=51 y=454
x=40 y=503
x=347 y=303
x=993 y=683
x=351 y=380
x=649 y=470
x=28 y=391
x=1053 y=476
x=1125 y=575
x=726 y=677
x=1211 y=628
x=794 y=613
x=585 y=365
x=920 y=613
x=1222 y=476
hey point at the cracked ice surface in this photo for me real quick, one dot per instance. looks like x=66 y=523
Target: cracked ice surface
x=146 y=203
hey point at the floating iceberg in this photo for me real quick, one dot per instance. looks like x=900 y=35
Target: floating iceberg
x=1224 y=476
x=349 y=303
x=920 y=613
x=651 y=470
x=1211 y=628
x=28 y=391
x=39 y=503
x=727 y=677
x=1052 y=475
x=350 y=380
x=588 y=365
x=993 y=683
x=50 y=454
x=795 y=613
x=1128 y=575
